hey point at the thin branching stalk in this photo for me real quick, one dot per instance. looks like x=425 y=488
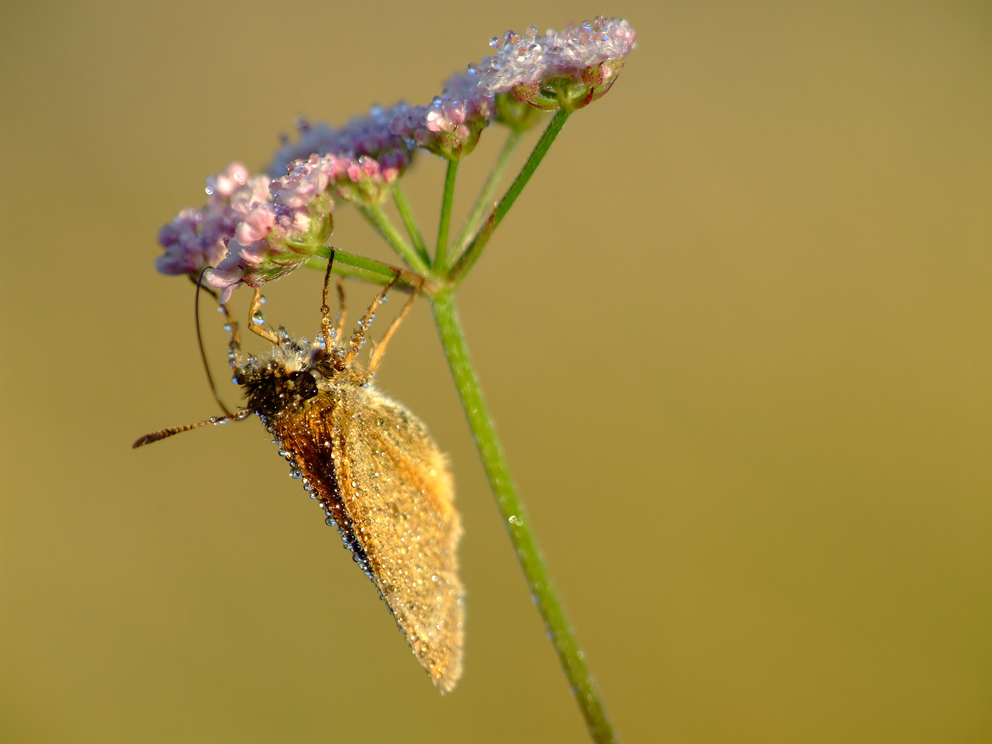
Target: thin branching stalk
x=485 y=198
x=441 y=256
x=471 y=254
x=381 y=222
x=406 y=214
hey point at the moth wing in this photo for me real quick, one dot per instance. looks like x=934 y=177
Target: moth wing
x=395 y=488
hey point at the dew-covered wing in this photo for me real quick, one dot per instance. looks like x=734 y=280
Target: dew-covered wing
x=395 y=509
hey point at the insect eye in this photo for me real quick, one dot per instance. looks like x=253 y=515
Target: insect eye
x=302 y=384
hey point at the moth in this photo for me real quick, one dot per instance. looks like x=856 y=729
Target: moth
x=371 y=466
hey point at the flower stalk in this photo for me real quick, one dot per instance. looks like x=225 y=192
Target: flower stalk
x=516 y=521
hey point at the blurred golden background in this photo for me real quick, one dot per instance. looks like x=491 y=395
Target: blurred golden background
x=737 y=337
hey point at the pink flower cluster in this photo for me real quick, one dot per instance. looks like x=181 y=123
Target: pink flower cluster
x=449 y=126
x=561 y=69
x=367 y=155
x=252 y=229
x=197 y=238
x=256 y=228
x=569 y=68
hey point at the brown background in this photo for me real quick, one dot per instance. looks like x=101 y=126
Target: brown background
x=736 y=336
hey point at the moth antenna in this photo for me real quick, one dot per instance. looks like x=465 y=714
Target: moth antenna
x=325 y=310
x=199 y=342
x=355 y=345
x=380 y=348
x=164 y=433
x=255 y=312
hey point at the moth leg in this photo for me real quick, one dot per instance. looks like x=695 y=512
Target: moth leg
x=325 y=310
x=234 y=345
x=379 y=348
x=358 y=337
x=328 y=335
x=339 y=325
x=255 y=312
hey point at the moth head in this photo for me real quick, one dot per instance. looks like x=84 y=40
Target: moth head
x=284 y=378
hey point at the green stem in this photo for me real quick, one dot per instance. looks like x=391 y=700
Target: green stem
x=517 y=524
x=381 y=222
x=471 y=254
x=360 y=267
x=485 y=197
x=441 y=257
x=406 y=214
